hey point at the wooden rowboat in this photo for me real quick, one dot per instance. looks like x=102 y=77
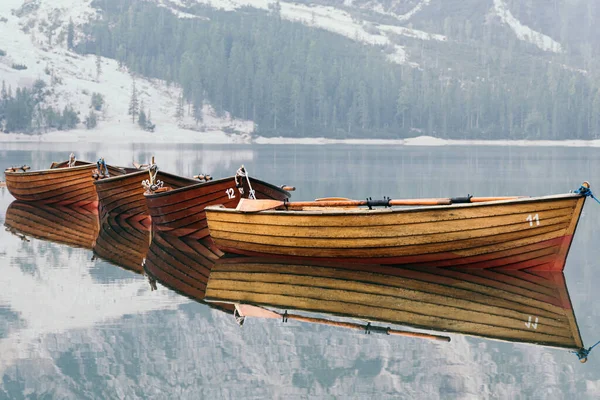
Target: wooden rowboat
x=514 y=306
x=124 y=194
x=180 y=212
x=183 y=265
x=60 y=185
x=72 y=226
x=506 y=233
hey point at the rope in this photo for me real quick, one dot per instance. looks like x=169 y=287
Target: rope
x=152 y=184
x=583 y=353
x=585 y=191
x=241 y=172
x=72 y=160
x=102 y=168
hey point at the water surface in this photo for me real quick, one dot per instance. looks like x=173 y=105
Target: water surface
x=76 y=327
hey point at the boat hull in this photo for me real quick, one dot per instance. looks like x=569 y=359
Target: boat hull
x=124 y=194
x=514 y=306
x=180 y=212
x=478 y=235
x=58 y=186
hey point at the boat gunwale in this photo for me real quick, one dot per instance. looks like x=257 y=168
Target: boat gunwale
x=87 y=165
x=360 y=211
x=210 y=183
x=99 y=182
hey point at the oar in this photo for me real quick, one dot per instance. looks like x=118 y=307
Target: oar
x=247 y=310
x=250 y=205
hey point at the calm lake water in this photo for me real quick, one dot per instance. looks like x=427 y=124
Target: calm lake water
x=73 y=327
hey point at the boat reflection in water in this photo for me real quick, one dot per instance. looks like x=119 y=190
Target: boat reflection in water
x=71 y=226
x=516 y=306
x=120 y=241
x=183 y=265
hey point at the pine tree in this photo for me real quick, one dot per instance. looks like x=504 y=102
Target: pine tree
x=197 y=112
x=98 y=66
x=133 y=103
x=70 y=34
x=179 y=109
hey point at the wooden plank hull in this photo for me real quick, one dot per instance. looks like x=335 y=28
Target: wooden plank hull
x=123 y=242
x=72 y=226
x=124 y=194
x=514 y=306
x=183 y=265
x=478 y=235
x=58 y=186
x=180 y=212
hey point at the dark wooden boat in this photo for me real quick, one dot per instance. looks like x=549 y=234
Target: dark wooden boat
x=538 y=230
x=182 y=265
x=516 y=306
x=124 y=194
x=60 y=185
x=123 y=242
x=180 y=212
x=72 y=226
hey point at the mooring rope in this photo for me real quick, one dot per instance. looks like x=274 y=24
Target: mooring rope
x=152 y=184
x=583 y=353
x=241 y=172
x=585 y=191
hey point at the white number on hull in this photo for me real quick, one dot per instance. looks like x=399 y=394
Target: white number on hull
x=230 y=193
x=530 y=324
x=531 y=218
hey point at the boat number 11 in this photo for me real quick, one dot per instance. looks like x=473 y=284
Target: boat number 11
x=231 y=194
x=532 y=218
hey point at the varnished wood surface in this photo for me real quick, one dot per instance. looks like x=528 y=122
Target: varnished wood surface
x=73 y=226
x=183 y=265
x=59 y=185
x=535 y=229
x=180 y=212
x=124 y=194
x=122 y=242
x=514 y=306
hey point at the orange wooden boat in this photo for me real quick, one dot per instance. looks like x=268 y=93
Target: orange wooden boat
x=182 y=265
x=180 y=212
x=489 y=234
x=124 y=194
x=123 y=242
x=69 y=183
x=72 y=226
x=516 y=306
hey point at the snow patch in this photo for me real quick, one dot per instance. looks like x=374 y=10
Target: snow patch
x=325 y=17
x=400 y=17
x=524 y=32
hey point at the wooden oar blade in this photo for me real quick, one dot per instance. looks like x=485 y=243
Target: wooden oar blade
x=250 y=205
x=248 y=310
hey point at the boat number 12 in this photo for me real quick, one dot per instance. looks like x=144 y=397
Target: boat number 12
x=231 y=194
x=532 y=218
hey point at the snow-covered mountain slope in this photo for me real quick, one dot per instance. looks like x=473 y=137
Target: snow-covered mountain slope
x=34 y=34
x=524 y=32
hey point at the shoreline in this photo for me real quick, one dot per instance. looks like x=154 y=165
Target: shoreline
x=217 y=137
